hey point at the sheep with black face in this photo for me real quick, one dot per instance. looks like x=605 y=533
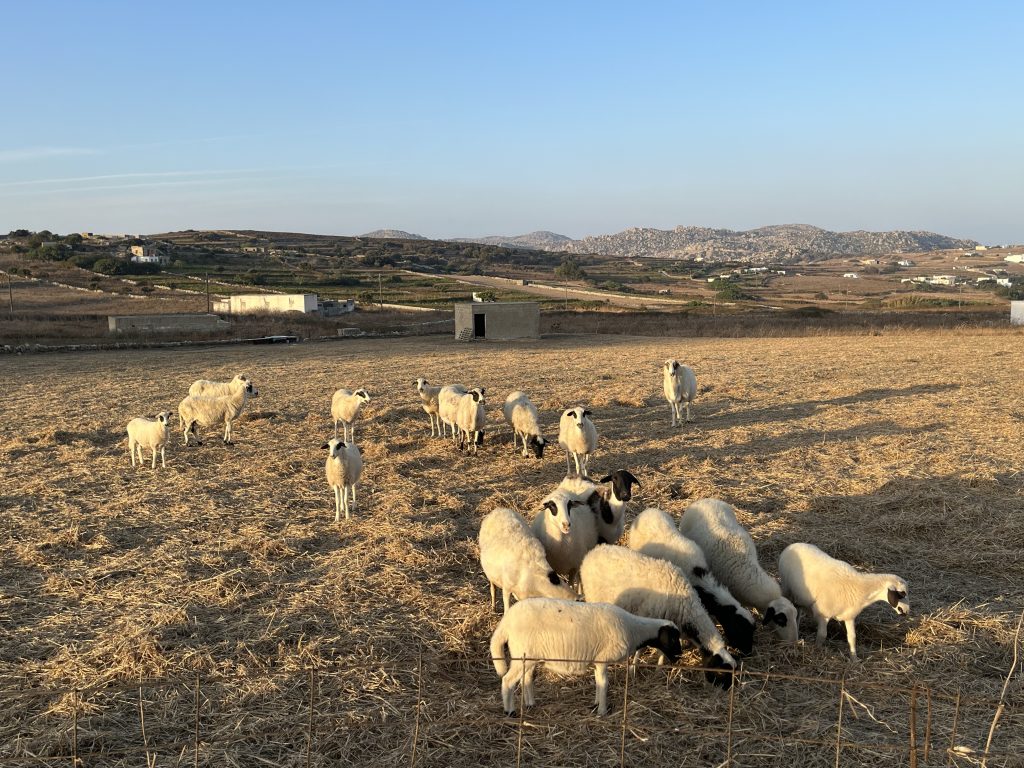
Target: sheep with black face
x=345 y=407
x=471 y=419
x=521 y=414
x=344 y=466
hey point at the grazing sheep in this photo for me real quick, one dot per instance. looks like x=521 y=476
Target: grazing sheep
x=521 y=414
x=470 y=419
x=428 y=395
x=207 y=388
x=567 y=529
x=568 y=637
x=513 y=560
x=345 y=405
x=578 y=436
x=447 y=406
x=149 y=433
x=343 y=467
x=833 y=589
x=680 y=387
x=654 y=534
x=732 y=556
x=208 y=411
x=651 y=587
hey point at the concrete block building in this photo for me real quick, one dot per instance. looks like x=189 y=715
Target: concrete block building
x=498 y=320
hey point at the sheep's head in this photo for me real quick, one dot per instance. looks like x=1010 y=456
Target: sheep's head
x=622 y=481
x=334 y=447
x=671 y=366
x=362 y=394
x=781 y=615
x=535 y=444
x=163 y=417
x=242 y=378
x=420 y=384
x=561 y=510
x=478 y=395
x=897 y=590
x=577 y=415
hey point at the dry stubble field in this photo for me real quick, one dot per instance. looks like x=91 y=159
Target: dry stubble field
x=899 y=453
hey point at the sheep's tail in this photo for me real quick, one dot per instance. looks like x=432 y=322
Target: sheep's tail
x=498 y=642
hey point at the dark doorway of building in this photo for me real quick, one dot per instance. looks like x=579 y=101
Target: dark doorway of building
x=480 y=326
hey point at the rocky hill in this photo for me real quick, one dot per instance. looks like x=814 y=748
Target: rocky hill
x=541 y=241
x=393 y=234
x=778 y=244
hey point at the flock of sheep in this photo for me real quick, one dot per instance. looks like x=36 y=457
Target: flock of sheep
x=668 y=586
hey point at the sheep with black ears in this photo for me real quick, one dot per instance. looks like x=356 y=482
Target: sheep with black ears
x=651 y=587
x=514 y=560
x=343 y=468
x=833 y=589
x=568 y=637
x=345 y=405
x=149 y=433
x=732 y=556
x=654 y=534
x=208 y=411
x=448 y=405
x=578 y=436
x=680 y=386
x=566 y=528
x=471 y=419
x=521 y=414
x=607 y=503
x=207 y=388
x=428 y=394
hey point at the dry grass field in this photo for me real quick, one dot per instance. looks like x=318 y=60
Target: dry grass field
x=213 y=613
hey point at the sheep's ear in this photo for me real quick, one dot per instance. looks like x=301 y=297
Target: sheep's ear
x=769 y=616
x=551 y=507
x=483 y=391
x=553 y=578
x=700 y=573
x=325 y=446
x=587 y=413
x=476 y=396
x=632 y=479
x=895 y=596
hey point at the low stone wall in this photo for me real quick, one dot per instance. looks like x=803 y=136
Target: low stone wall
x=166 y=323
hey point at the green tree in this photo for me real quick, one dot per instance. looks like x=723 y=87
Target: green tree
x=570 y=269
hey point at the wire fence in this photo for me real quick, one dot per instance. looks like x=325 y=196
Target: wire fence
x=440 y=710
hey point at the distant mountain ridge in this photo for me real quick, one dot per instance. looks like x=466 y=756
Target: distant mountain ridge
x=393 y=234
x=541 y=241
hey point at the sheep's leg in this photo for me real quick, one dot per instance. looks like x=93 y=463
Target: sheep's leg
x=131 y=452
x=568 y=464
x=506 y=598
x=352 y=427
x=822 y=628
x=335 y=429
x=601 y=678
x=163 y=456
x=531 y=666
x=353 y=487
x=337 y=503
x=344 y=493
x=673 y=407
x=227 y=432
x=851 y=638
x=688 y=410
x=153 y=465
x=509 y=682
x=491 y=583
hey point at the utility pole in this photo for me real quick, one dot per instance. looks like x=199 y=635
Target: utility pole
x=380 y=288
x=10 y=294
x=207 y=293
x=566 y=288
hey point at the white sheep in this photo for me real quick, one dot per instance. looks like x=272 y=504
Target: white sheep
x=209 y=411
x=521 y=414
x=833 y=589
x=428 y=394
x=654 y=534
x=567 y=529
x=345 y=405
x=578 y=436
x=514 y=561
x=680 y=388
x=651 y=587
x=568 y=637
x=471 y=419
x=343 y=468
x=149 y=433
x=447 y=406
x=607 y=503
x=207 y=388
x=733 y=559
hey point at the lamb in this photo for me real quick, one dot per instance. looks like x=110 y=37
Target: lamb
x=149 y=433
x=208 y=411
x=833 y=589
x=521 y=414
x=345 y=405
x=680 y=387
x=578 y=436
x=207 y=388
x=651 y=587
x=428 y=394
x=568 y=637
x=654 y=534
x=447 y=405
x=567 y=530
x=732 y=556
x=343 y=467
x=513 y=560
x=470 y=419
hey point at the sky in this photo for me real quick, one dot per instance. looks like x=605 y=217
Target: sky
x=466 y=119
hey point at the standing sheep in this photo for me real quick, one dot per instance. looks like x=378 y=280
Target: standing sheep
x=447 y=406
x=578 y=436
x=732 y=556
x=514 y=561
x=343 y=467
x=470 y=419
x=208 y=411
x=654 y=534
x=207 y=388
x=149 y=433
x=345 y=405
x=651 y=587
x=568 y=637
x=521 y=414
x=428 y=395
x=567 y=530
x=833 y=589
x=680 y=388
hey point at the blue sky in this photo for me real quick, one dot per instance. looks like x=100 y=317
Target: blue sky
x=470 y=118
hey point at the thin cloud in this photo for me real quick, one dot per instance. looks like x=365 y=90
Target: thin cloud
x=140 y=175
x=38 y=153
x=139 y=185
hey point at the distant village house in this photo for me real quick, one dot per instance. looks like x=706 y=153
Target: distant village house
x=147 y=254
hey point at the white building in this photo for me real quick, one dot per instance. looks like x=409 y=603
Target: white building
x=1017 y=312
x=905 y=263
x=147 y=254
x=1015 y=258
x=942 y=279
x=243 y=303
x=852 y=275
